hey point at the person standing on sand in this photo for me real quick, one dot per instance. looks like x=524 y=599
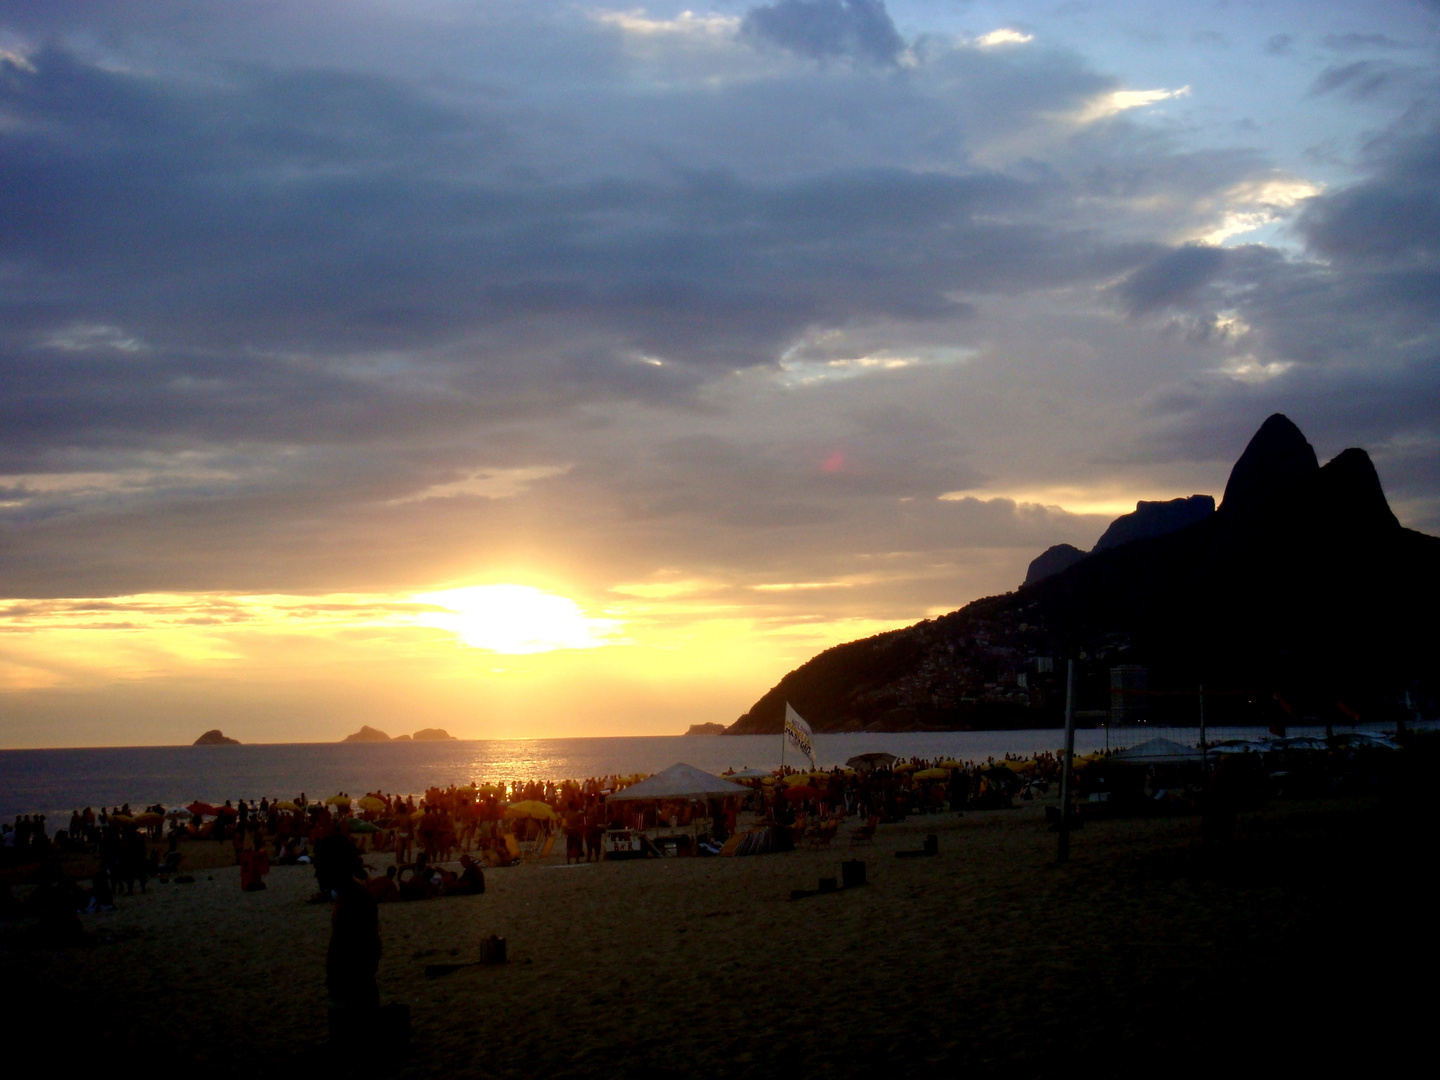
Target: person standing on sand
x=574 y=823
x=352 y=960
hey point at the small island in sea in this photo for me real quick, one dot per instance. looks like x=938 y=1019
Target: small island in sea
x=215 y=737
x=370 y=734
x=706 y=729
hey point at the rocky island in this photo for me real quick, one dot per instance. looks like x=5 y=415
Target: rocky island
x=429 y=734
x=215 y=737
x=706 y=729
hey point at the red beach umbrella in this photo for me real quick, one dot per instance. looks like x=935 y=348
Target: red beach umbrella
x=801 y=792
x=202 y=808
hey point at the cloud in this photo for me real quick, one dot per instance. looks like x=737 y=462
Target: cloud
x=1174 y=276
x=1117 y=101
x=1003 y=36
x=827 y=29
x=488 y=483
x=1392 y=219
x=1359 y=79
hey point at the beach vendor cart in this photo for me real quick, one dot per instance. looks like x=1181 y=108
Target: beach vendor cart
x=680 y=783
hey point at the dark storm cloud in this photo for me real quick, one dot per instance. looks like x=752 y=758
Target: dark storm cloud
x=1171 y=278
x=827 y=29
x=263 y=239
x=1393 y=217
x=1355 y=332
x=1360 y=79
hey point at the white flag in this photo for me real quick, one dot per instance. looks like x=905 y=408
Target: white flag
x=799 y=734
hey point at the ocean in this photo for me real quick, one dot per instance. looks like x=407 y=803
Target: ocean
x=55 y=782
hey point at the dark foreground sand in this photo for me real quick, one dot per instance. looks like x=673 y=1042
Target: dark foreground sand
x=1311 y=942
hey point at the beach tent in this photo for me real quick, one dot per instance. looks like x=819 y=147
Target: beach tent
x=680 y=781
x=874 y=760
x=1159 y=752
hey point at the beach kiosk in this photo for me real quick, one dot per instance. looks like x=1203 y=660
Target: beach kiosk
x=678 y=783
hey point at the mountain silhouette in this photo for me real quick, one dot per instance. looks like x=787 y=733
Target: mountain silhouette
x=1301 y=587
x=1149 y=519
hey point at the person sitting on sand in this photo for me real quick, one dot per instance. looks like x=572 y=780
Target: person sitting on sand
x=470 y=882
x=383 y=887
x=414 y=879
x=254 y=865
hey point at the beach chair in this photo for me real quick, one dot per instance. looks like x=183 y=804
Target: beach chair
x=822 y=834
x=864 y=834
x=512 y=846
x=544 y=849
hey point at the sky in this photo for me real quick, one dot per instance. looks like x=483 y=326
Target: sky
x=557 y=369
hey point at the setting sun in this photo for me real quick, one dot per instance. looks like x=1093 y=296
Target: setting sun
x=515 y=619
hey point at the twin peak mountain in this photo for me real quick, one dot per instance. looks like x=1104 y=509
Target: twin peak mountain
x=1302 y=586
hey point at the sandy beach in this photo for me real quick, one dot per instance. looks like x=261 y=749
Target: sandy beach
x=1141 y=950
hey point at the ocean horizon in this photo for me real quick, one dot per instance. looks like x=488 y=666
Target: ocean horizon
x=56 y=781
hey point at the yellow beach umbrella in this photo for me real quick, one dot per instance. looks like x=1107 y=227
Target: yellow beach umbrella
x=904 y=766
x=370 y=802
x=531 y=808
x=338 y=800
x=796 y=778
x=933 y=774
x=122 y=819
x=149 y=818
x=949 y=763
x=285 y=804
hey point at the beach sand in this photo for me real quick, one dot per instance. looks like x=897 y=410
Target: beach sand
x=1142 y=952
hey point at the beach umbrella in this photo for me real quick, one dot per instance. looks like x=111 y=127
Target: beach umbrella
x=121 y=819
x=801 y=792
x=285 y=804
x=905 y=766
x=202 y=808
x=228 y=811
x=531 y=808
x=363 y=826
x=872 y=760
x=370 y=802
x=149 y=818
x=933 y=774
x=949 y=763
x=796 y=778
x=338 y=800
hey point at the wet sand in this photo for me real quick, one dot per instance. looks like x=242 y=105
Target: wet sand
x=1142 y=952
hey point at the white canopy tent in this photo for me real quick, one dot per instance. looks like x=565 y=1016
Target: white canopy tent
x=679 y=781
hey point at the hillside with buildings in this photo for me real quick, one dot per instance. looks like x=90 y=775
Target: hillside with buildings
x=1297 y=597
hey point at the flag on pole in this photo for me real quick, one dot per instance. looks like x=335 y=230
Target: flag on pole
x=798 y=732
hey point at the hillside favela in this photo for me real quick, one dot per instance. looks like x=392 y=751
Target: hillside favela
x=772 y=538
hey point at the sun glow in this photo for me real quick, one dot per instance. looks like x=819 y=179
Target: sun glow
x=515 y=619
